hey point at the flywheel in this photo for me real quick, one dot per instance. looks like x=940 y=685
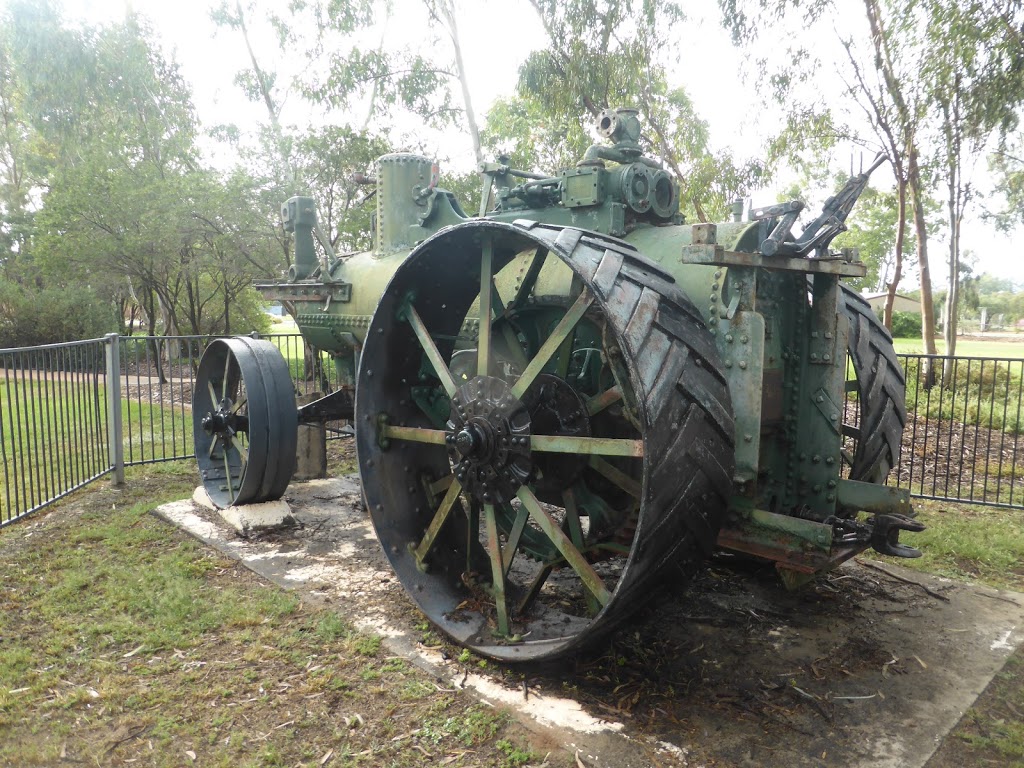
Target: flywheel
x=244 y=421
x=536 y=470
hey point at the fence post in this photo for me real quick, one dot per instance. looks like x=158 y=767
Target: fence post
x=115 y=438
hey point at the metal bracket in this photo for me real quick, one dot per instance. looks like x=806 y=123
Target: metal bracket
x=716 y=255
x=339 y=404
x=741 y=344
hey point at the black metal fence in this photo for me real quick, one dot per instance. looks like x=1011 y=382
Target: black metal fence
x=71 y=413
x=964 y=438
x=54 y=422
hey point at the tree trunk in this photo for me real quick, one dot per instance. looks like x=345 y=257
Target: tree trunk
x=949 y=314
x=921 y=230
x=172 y=347
x=901 y=227
x=448 y=11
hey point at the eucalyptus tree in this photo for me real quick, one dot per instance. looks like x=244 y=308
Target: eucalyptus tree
x=120 y=203
x=975 y=81
x=329 y=77
x=1007 y=165
x=909 y=66
x=878 y=70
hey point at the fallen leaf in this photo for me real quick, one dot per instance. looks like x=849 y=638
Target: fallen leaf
x=191 y=755
x=579 y=763
x=325 y=758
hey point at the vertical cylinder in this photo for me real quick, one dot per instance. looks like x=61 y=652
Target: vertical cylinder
x=298 y=215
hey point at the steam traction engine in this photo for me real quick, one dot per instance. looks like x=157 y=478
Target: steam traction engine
x=572 y=399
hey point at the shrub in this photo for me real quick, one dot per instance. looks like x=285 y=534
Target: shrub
x=906 y=325
x=31 y=316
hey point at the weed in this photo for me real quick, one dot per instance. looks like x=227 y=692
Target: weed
x=331 y=628
x=475 y=726
x=514 y=756
x=366 y=645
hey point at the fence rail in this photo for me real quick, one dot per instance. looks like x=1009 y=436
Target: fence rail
x=64 y=422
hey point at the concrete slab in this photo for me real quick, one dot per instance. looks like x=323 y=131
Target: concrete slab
x=247 y=519
x=870 y=666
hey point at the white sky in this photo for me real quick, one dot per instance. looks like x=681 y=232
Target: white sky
x=495 y=38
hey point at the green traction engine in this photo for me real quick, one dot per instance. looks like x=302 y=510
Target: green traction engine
x=570 y=400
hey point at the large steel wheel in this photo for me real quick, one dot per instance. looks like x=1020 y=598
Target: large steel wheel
x=876 y=432
x=534 y=483
x=244 y=421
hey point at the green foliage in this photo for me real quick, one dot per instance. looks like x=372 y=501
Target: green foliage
x=109 y=190
x=906 y=325
x=1007 y=164
x=327 y=160
x=30 y=315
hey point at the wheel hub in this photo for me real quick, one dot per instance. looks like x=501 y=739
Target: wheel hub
x=488 y=440
x=223 y=421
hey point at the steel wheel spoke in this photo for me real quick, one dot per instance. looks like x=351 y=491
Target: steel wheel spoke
x=551 y=345
x=483 y=353
x=213 y=394
x=497 y=571
x=227 y=476
x=410 y=314
x=241 y=451
x=572 y=521
x=497 y=305
x=414 y=434
x=598 y=403
x=514 y=535
x=239 y=405
x=441 y=485
x=588 y=576
x=564 y=357
x=617 y=476
x=534 y=590
x=603 y=446
x=443 y=511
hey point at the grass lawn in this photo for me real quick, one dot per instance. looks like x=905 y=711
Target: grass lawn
x=998 y=348
x=126 y=642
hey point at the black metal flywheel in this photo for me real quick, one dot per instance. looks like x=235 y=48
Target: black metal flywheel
x=245 y=421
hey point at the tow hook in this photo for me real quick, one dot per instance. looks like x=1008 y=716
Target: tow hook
x=885 y=535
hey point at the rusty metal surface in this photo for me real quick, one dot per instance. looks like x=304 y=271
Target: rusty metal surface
x=716 y=255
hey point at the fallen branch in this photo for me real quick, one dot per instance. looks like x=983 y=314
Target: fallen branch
x=905 y=580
